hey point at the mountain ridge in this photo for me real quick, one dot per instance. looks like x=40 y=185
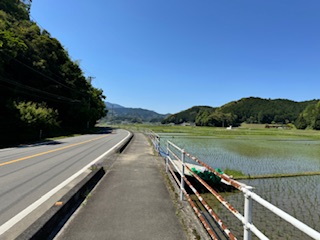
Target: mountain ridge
x=249 y=109
x=303 y=114
x=118 y=113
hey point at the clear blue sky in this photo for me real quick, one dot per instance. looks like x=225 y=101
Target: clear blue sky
x=170 y=55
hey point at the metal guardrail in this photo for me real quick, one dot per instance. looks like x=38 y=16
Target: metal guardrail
x=171 y=154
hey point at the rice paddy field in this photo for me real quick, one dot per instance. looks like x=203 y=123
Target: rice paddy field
x=260 y=152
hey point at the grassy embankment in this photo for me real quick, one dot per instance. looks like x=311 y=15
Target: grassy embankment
x=250 y=130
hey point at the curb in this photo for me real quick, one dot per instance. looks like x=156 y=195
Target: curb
x=51 y=222
x=123 y=147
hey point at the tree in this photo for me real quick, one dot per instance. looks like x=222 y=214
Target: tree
x=16 y=8
x=202 y=118
x=301 y=123
x=35 y=68
x=310 y=117
x=36 y=117
x=97 y=108
x=215 y=118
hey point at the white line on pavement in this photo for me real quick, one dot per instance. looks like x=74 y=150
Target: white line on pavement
x=14 y=220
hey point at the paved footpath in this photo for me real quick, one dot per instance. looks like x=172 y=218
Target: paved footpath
x=131 y=202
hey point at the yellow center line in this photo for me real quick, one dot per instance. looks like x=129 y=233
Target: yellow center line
x=51 y=151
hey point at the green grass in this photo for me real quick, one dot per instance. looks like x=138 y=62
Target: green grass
x=235 y=173
x=260 y=151
x=282 y=175
x=224 y=133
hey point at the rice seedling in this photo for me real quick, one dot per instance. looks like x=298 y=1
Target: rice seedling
x=298 y=196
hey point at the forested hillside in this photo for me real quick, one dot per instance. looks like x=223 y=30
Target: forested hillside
x=259 y=110
x=253 y=110
x=310 y=117
x=188 y=115
x=42 y=91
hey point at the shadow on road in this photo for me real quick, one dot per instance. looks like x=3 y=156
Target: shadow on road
x=91 y=131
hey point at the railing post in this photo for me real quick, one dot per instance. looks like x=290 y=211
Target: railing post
x=182 y=174
x=247 y=234
x=167 y=162
x=167 y=158
x=159 y=147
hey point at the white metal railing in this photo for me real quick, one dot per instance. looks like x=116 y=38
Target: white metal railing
x=172 y=155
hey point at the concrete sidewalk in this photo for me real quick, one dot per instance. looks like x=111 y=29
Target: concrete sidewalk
x=130 y=202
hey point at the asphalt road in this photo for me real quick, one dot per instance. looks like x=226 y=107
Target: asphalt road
x=31 y=173
x=130 y=202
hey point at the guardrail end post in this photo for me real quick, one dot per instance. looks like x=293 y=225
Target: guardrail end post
x=183 y=153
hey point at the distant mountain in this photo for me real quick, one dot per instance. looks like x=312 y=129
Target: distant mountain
x=113 y=105
x=250 y=110
x=118 y=114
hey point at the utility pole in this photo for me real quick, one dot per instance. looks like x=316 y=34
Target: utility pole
x=90 y=78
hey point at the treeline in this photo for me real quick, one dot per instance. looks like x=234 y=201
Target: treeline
x=188 y=115
x=253 y=110
x=310 y=117
x=42 y=91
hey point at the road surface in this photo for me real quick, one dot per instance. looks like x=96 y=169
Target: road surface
x=30 y=175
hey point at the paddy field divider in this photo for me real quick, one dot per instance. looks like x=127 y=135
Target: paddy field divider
x=175 y=161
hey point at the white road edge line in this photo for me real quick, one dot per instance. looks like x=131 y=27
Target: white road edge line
x=10 y=223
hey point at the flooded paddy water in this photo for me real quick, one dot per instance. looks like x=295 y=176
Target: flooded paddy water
x=299 y=196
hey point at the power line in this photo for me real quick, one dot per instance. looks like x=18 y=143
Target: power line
x=43 y=29
x=47 y=94
x=34 y=20
x=29 y=93
x=42 y=74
